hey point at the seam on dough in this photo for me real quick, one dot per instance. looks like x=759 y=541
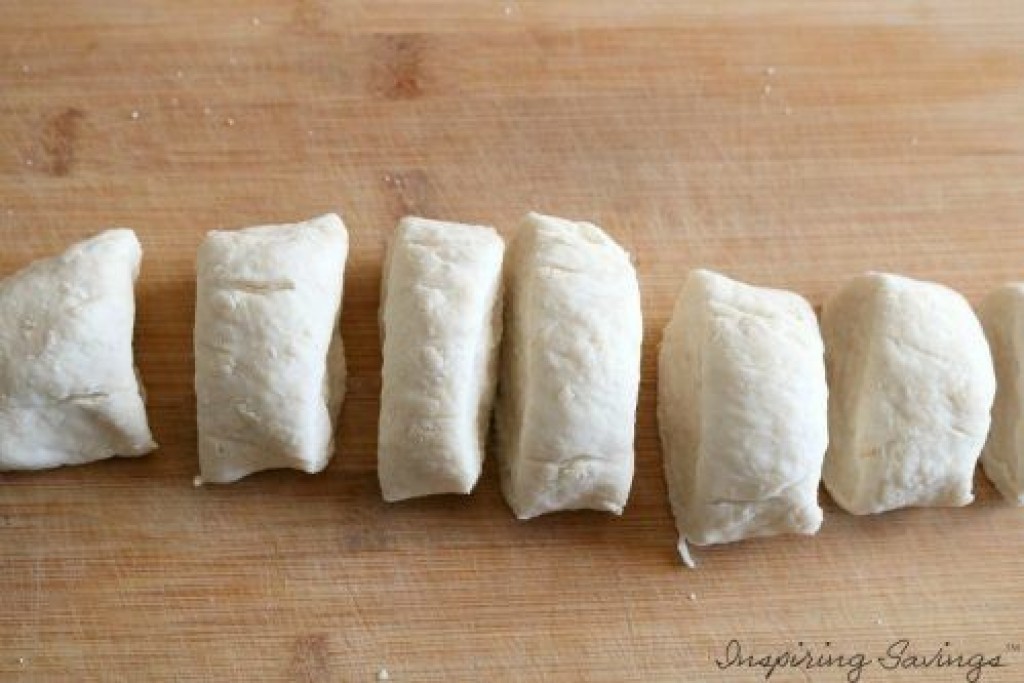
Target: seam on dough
x=567 y=462
x=781 y=494
x=903 y=343
x=258 y=286
x=85 y=396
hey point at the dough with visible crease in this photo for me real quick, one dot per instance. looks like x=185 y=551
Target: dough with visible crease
x=742 y=404
x=1002 y=317
x=69 y=392
x=911 y=385
x=441 y=324
x=570 y=369
x=270 y=368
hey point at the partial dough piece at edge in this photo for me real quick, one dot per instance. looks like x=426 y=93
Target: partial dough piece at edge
x=1002 y=317
x=69 y=389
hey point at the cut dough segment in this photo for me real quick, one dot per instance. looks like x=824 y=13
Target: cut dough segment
x=911 y=384
x=570 y=369
x=1002 y=316
x=742 y=404
x=69 y=392
x=441 y=324
x=270 y=368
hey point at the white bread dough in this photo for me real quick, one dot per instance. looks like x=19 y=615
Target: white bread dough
x=270 y=368
x=1002 y=316
x=69 y=392
x=742 y=404
x=570 y=369
x=441 y=325
x=911 y=384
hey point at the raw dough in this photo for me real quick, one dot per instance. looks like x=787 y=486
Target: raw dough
x=69 y=393
x=570 y=369
x=911 y=384
x=270 y=368
x=742 y=404
x=1002 y=316
x=441 y=324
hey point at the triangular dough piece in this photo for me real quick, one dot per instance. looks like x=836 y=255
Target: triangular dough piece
x=69 y=393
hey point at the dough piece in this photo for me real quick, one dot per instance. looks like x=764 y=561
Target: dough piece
x=1002 y=316
x=911 y=384
x=742 y=411
x=441 y=324
x=270 y=368
x=570 y=369
x=69 y=392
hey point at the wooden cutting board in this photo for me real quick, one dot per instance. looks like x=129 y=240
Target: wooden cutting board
x=788 y=144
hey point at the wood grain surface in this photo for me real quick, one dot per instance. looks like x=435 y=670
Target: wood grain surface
x=785 y=143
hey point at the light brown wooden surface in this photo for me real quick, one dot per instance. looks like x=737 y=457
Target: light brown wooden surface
x=790 y=144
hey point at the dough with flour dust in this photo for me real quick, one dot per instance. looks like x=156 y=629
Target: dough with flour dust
x=911 y=385
x=270 y=368
x=570 y=369
x=742 y=404
x=441 y=325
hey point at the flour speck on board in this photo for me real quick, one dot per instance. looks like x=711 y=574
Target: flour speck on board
x=693 y=597
x=179 y=73
x=206 y=111
x=769 y=71
x=767 y=89
x=135 y=115
x=197 y=481
x=230 y=121
x=256 y=21
x=508 y=10
x=29 y=162
x=25 y=68
x=383 y=675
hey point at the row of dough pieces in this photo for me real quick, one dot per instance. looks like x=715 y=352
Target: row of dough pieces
x=747 y=421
